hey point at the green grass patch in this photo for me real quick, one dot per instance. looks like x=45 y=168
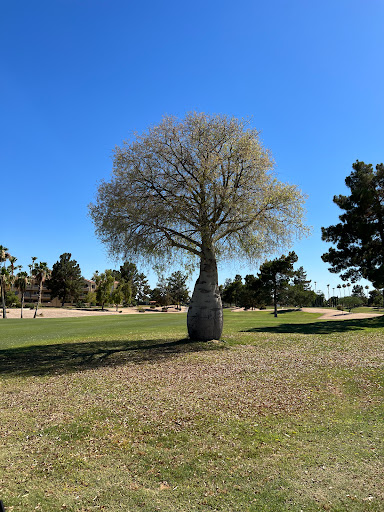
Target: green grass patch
x=124 y=413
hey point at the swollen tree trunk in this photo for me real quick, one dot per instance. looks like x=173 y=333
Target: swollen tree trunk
x=205 y=313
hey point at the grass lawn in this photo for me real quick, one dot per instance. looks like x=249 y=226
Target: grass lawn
x=122 y=413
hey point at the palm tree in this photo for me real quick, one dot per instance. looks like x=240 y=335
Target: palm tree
x=12 y=261
x=40 y=272
x=4 y=255
x=21 y=285
x=344 y=287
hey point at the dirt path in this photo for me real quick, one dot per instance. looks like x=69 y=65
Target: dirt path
x=333 y=314
x=326 y=314
x=65 y=313
x=330 y=314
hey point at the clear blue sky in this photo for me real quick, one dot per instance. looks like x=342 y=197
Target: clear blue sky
x=79 y=76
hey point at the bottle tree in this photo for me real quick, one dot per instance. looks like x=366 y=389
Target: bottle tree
x=201 y=186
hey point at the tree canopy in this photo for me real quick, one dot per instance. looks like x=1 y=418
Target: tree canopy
x=171 y=290
x=359 y=236
x=201 y=186
x=134 y=280
x=275 y=275
x=65 y=281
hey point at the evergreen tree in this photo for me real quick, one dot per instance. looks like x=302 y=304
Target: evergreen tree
x=232 y=291
x=274 y=277
x=359 y=236
x=358 y=291
x=300 y=279
x=177 y=285
x=65 y=281
x=299 y=293
x=375 y=298
x=136 y=282
x=161 y=293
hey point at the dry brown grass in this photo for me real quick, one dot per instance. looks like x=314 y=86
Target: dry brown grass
x=281 y=422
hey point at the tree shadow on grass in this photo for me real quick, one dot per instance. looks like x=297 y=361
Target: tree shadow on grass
x=324 y=327
x=73 y=357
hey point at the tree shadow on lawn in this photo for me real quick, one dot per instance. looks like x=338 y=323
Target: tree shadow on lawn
x=324 y=326
x=72 y=357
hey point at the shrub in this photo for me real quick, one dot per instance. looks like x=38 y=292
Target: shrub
x=12 y=300
x=91 y=298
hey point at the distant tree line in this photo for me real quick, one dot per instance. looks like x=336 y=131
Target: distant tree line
x=276 y=283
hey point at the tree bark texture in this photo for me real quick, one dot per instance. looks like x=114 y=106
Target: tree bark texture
x=205 y=313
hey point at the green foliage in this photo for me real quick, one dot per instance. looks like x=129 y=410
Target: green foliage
x=21 y=282
x=274 y=277
x=375 y=298
x=177 y=285
x=11 y=299
x=351 y=302
x=161 y=293
x=199 y=187
x=187 y=185
x=359 y=236
x=171 y=290
x=297 y=296
x=358 y=291
x=232 y=291
x=91 y=298
x=299 y=293
x=117 y=297
x=133 y=284
x=104 y=287
x=65 y=280
x=292 y=287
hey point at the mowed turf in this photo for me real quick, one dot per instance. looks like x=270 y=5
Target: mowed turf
x=124 y=413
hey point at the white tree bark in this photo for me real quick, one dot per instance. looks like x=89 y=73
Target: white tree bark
x=205 y=313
